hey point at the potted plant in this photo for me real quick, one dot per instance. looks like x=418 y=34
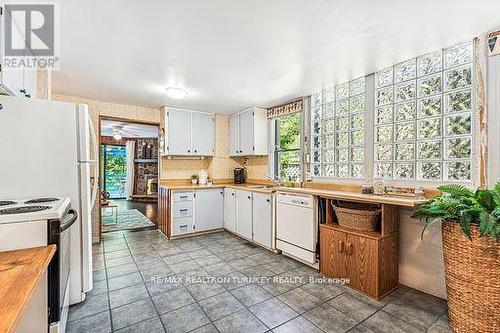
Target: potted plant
x=471 y=251
x=194 y=179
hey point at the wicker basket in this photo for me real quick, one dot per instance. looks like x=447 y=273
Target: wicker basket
x=472 y=280
x=359 y=217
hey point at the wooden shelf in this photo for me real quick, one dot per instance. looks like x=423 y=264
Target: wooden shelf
x=369 y=234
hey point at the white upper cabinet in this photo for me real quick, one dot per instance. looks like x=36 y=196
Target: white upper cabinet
x=19 y=81
x=189 y=133
x=248 y=133
x=234 y=135
x=178 y=132
x=203 y=133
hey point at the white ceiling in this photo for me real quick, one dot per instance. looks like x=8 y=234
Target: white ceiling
x=130 y=130
x=232 y=54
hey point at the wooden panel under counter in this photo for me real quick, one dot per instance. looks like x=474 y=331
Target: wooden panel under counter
x=23 y=279
x=369 y=259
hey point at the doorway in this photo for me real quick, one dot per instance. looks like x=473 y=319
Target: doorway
x=114 y=170
x=129 y=175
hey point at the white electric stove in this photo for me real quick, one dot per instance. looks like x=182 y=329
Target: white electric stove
x=26 y=223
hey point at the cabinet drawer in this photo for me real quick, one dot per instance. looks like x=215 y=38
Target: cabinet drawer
x=182 y=209
x=183 y=196
x=182 y=226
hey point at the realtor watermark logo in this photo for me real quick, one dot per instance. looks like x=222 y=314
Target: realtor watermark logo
x=30 y=36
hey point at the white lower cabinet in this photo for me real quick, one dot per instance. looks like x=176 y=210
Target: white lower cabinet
x=262 y=219
x=244 y=214
x=230 y=209
x=209 y=209
x=194 y=211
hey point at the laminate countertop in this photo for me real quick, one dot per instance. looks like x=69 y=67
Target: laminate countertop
x=328 y=193
x=20 y=273
x=245 y=187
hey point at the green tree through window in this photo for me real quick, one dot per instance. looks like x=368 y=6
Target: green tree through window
x=287 y=152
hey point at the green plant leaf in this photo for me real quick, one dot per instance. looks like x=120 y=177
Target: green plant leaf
x=456 y=190
x=465 y=225
x=459 y=204
x=485 y=199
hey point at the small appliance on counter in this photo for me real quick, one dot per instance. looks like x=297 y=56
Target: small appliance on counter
x=240 y=175
x=202 y=177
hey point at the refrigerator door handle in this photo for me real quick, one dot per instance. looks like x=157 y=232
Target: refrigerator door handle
x=96 y=175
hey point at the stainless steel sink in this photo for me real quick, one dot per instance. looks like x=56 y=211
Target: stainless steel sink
x=260 y=187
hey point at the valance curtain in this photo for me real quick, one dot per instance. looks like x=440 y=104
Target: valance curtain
x=285 y=109
x=130 y=150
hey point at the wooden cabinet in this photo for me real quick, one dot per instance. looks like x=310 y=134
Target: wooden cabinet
x=262 y=219
x=189 y=133
x=244 y=214
x=230 y=209
x=209 y=209
x=368 y=259
x=163 y=210
x=248 y=133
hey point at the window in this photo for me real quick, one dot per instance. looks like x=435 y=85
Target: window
x=287 y=147
x=337 y=127
x=423 y=120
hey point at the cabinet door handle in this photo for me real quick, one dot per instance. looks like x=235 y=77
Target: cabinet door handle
x=268 y=200
x=350 y=248
x=195 y=151
x=249 y=197
x=232 y=194
x=189 y=151
x=341 y=246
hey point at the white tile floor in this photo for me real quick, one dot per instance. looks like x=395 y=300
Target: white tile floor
x=146 y=283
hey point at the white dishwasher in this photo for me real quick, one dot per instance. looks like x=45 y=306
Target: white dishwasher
x=296 y=227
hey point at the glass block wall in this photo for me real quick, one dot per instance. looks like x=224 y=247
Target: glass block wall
x=337 y=131
x=423 y=120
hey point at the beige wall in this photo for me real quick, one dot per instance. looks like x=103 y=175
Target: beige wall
x=123 y=111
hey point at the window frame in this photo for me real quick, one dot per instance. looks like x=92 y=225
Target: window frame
x=276 y=149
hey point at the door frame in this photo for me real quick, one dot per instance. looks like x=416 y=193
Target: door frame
x=100 y=118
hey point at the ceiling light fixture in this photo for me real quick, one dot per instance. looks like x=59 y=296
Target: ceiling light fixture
x=117 y=136
x=176 y=92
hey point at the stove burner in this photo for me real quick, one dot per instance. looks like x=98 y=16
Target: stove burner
x=22 y=210
x=40 y=200
x=7 y=202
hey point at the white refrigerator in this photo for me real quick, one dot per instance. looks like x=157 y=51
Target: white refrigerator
x=50 y=149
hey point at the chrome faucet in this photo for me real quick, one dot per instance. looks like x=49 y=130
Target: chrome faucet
x=277 y=182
